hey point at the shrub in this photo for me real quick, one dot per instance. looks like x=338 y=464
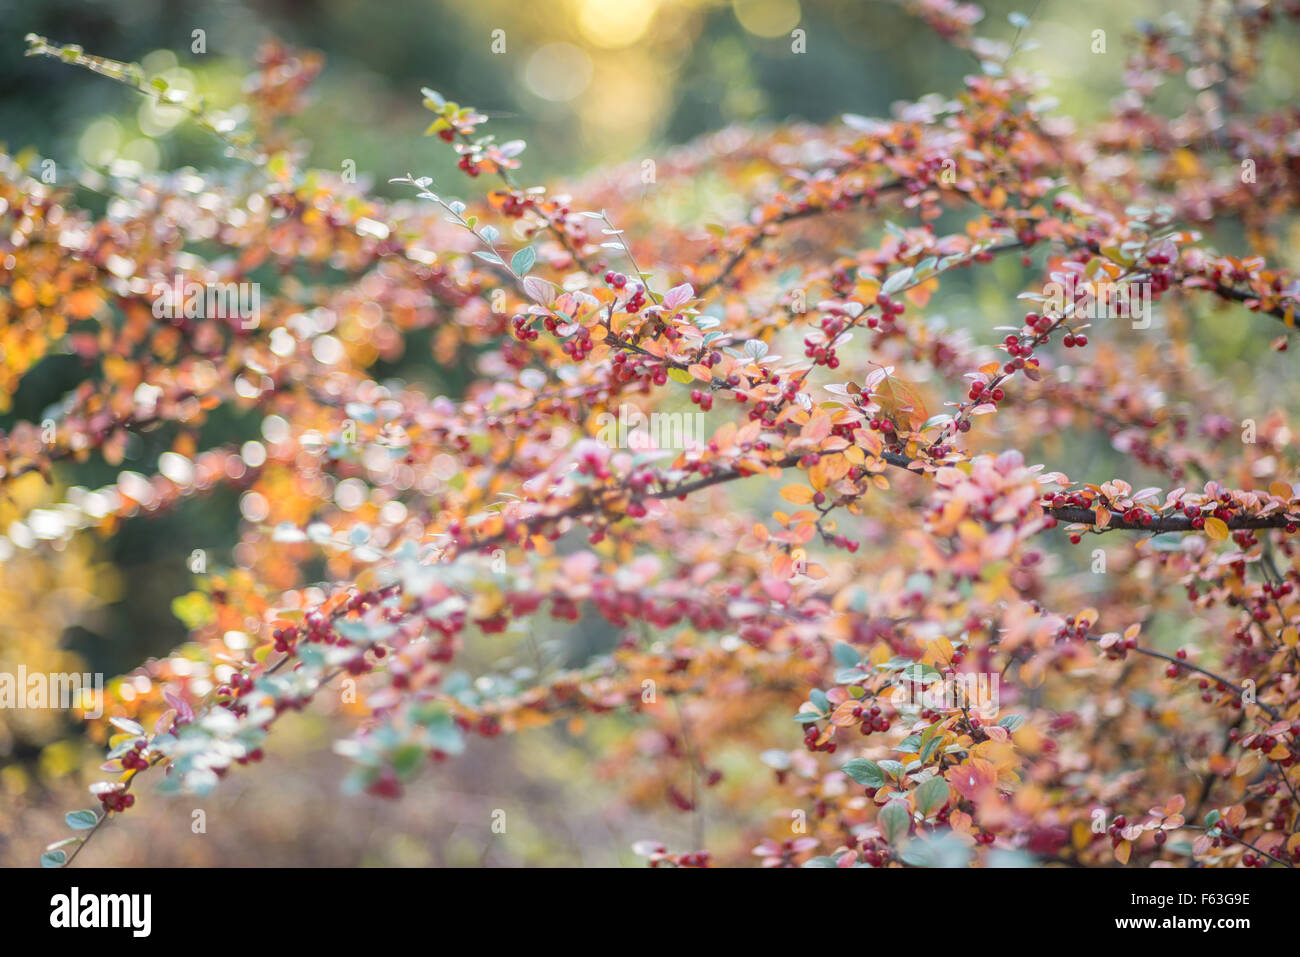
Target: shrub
x=853 y=537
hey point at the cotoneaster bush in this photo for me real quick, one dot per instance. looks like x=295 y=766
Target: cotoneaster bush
x=859 y=543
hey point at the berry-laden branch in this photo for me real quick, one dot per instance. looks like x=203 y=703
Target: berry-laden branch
x=620 y=373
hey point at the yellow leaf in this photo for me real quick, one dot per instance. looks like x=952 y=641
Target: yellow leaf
x=1249 y=764
x=1122 y=851
x=1216 y=529
x=1281 y=490
x=1081 y=835
x=798 y=494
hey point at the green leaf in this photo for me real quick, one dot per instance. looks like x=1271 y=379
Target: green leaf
x=53 y=859
x=1012 y=722
x=894 y=820
x=909 y=745
x=928 y=750
x=846 y=655
x=1001 y=858
x=897 y=281
x=523 y=260
x=1212 y=818
x=864 y=772
x=941 y=850
x=81 y=820
x=892 y=768
x=931 y=796
x=407 y=759
x=819 y=700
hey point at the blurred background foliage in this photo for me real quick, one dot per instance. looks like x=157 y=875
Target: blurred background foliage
x=586 y=83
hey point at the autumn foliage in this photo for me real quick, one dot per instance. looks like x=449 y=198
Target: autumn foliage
x=856 y=549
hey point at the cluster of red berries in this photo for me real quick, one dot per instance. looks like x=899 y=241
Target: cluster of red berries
x=319 y=628
x=636 y=292
x=840 y=541
x=285 y=638
x=240 y=684
x=810 y=735
x=521 y=327
x=876 y=853
x=882 y=424
x=514 y=205
x=488 y=725
x=627 y=367
x=134 y=760
x=1265 y=743
x=980 y=392
x=694 y=859
x=703 y=399
x=591 y=462
x=578 y=346
x=1173 y=670
x=468 y=164
x=1021 y=351
x=889 y=311
x=690 y=859
x=872 y=719
x=822 y=352
x=116 y=801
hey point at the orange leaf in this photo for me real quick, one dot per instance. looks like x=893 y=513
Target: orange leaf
x=900 y=401
x=83 y=303
x=798 y=494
